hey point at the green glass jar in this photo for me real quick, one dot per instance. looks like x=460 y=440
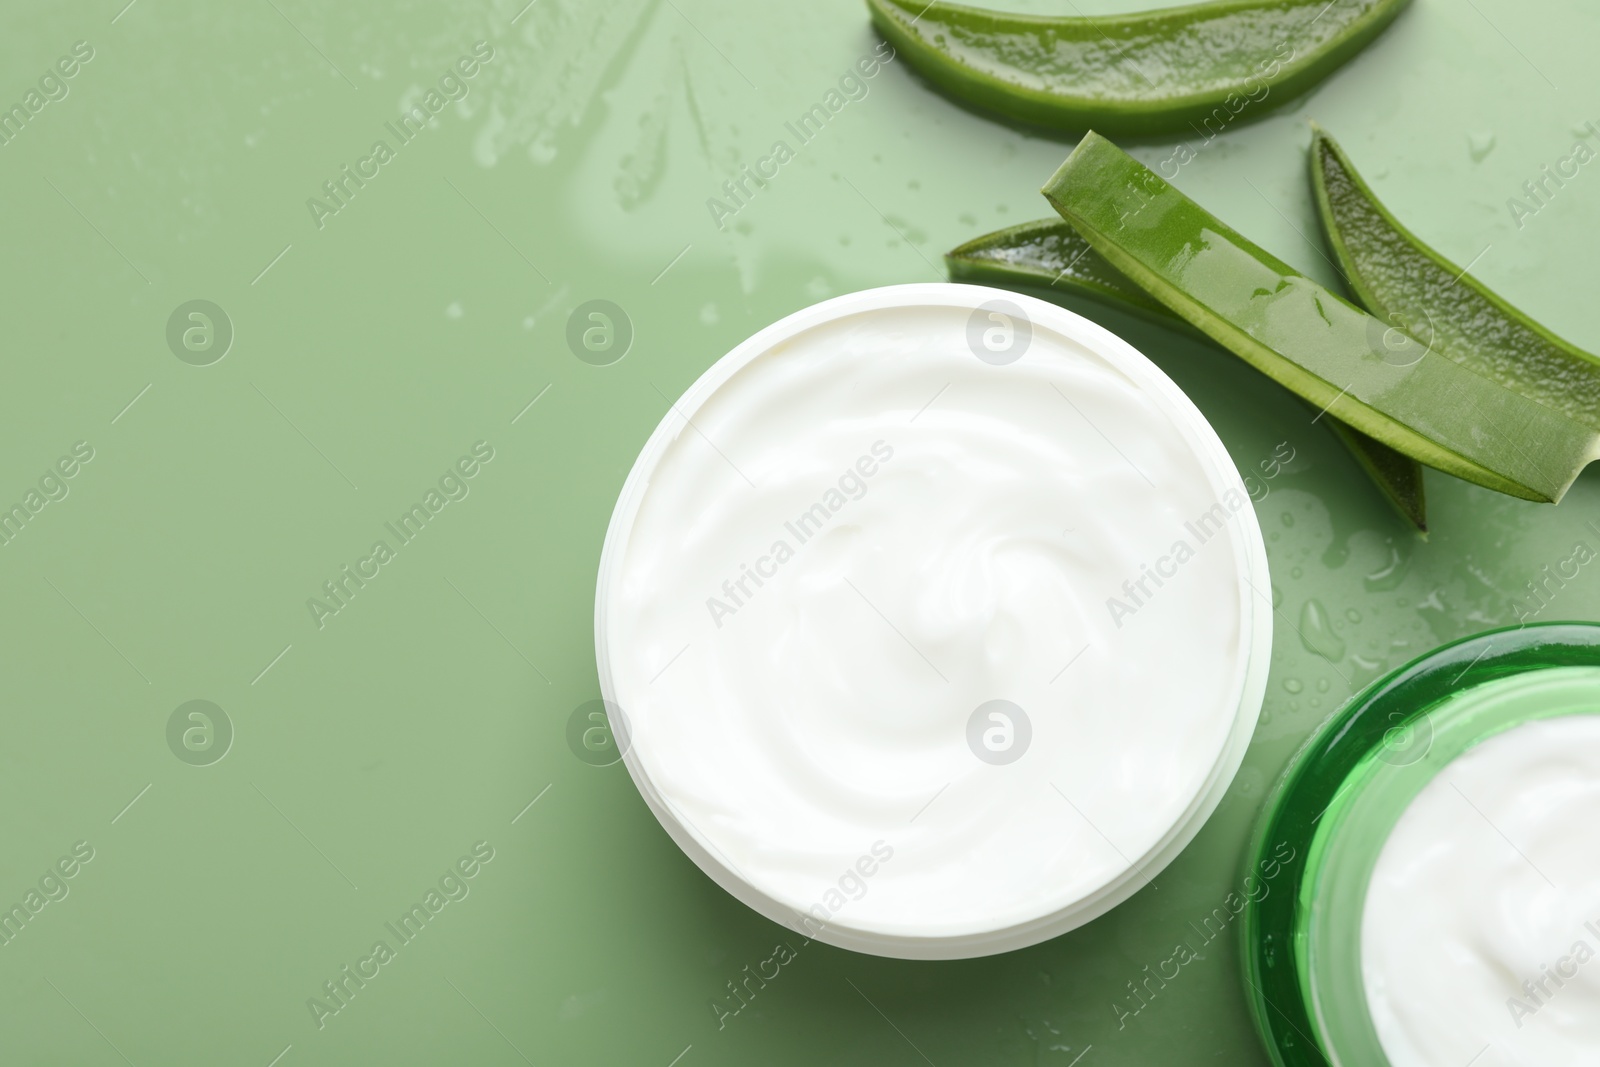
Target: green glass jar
x=1343 y=795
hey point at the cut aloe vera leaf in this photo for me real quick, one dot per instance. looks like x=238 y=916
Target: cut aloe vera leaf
x=1397 y=476
x=1049 y=254
x=1203 y=67
x=1409 y=285
x=1347 y=363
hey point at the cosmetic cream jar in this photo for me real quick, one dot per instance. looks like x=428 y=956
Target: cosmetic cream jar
x=936 y=621
x=1442 y=897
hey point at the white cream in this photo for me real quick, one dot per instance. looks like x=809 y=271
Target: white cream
x=1491 y=879
x=800 y=692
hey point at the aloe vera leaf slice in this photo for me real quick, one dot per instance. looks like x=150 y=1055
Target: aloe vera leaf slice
x=1199 y=66
x=1049 y=254
x=1397 y=476
x=1312 y=341
x=1406 y=283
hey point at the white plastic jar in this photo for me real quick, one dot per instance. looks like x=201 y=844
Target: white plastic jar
x=939 y=619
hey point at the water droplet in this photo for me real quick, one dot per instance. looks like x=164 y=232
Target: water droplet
x=1316 y=632
x=1390 y=575
x=709 y=315
x=1293 y=685
x=1288 y=519
x=1322 y=685
x=1352 y=614
x=904 y=229
x=1480 y=145
x=1277 y=598
x=455 y=310
x=1297 y=573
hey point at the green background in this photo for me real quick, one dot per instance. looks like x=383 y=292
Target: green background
x=371 y=353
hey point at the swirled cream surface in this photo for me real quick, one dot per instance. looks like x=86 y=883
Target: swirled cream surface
x=1481 y=927
x=923 y=645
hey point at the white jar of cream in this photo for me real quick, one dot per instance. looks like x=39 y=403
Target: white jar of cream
x=939 y=619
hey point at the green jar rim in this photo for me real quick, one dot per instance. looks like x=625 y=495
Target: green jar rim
x=1382 y=712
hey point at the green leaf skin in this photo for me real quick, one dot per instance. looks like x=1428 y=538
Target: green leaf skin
x=1048 y=254
x=1314 y=342
x=1406 y=283
x=1177 y=69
